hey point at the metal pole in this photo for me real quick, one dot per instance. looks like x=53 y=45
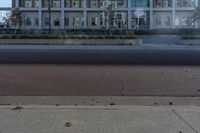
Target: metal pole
x=49 y=11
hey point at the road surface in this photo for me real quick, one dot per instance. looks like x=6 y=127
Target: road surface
x=79 y=54
x=99 y=80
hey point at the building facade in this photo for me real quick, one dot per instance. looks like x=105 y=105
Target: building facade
x=102 y=14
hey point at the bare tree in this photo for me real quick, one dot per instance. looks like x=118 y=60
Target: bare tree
x=109 y=15
x=6 y=19
x=16 y=18
x=196 y=16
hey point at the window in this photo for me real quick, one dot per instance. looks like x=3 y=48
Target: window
x=94 y=21
x=36 y=3
x=140 y=3
x=162 y=3
x=93 y=3
x=56 y=3
x=177 y=21
x=36 y=21
x=158 y=20
x=185 y=3
x=167 y=21
x=75 y=3
x=28 y=21
x=28 y=3
x=56 y=22
x=66 y=3
x=66 y=21
x=46 y=21
x=78 y=21
x=121 y=3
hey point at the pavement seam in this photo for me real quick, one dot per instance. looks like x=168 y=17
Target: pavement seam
x=187 y=123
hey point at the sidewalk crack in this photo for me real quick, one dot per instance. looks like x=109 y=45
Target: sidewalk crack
x=188 y=124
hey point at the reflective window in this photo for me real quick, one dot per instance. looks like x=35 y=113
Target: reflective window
x=66 y=21
x=56 y=22
x=140 y=3
x=185 y=3
x=162 y=3
x=28 y=21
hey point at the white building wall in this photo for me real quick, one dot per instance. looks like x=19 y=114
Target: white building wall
x=86 y=13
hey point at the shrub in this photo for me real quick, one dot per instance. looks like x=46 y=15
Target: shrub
x=5 y=37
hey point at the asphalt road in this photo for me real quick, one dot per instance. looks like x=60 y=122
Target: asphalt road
x=137 y=55
x=99 y=71
x=99 y=80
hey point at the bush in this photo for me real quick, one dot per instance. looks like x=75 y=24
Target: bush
x=43 y=36
x=190 y=37
x=5 y=37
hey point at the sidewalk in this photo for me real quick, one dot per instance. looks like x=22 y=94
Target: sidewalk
x=99 y=119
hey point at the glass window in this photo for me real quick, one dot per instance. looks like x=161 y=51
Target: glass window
x=66 y=3
x=66 y=21
x=36 y=3
x=162 y=3
x=185 y=3
x=46 y=21
x=75 y=3
x=140 y=21
x=94 y=21
x=93 y=3
x=56 y=22
x=140 y=3
x=28 y=3
x=177 y=21
x=158 y=20
x=36 y=21
x=167 y=21
x=56 y=3
x=28 y=21
x=78 y=21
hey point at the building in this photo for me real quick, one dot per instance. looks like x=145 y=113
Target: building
x=93 y=14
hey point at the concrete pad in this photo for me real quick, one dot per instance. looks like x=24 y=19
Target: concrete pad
x=93 y=119
x=191 y=119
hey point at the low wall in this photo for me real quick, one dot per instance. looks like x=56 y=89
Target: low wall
x=73 y=41
x=190 y=41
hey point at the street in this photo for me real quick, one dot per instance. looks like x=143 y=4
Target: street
x=95 y=54
x=98 y=80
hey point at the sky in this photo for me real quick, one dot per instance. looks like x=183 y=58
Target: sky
x=4 y=3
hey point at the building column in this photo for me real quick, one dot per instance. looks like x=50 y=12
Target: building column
x=13 y=3
x=173 y=13
x=62 y=14
x=17 y=3
x=151 y=14
x=40 y=14
x=129 y=15
x=70 y=3
x=85 y=13
x=33 y=3
x=42 y=3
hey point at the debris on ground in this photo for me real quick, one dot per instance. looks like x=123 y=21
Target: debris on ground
x=68 y=124
x=17 y=108
x=112 y=103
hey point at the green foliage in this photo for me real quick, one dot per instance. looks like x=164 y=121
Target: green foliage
x=41 y=36
x=190 y=37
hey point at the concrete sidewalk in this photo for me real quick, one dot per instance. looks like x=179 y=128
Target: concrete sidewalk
x=99 y=119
